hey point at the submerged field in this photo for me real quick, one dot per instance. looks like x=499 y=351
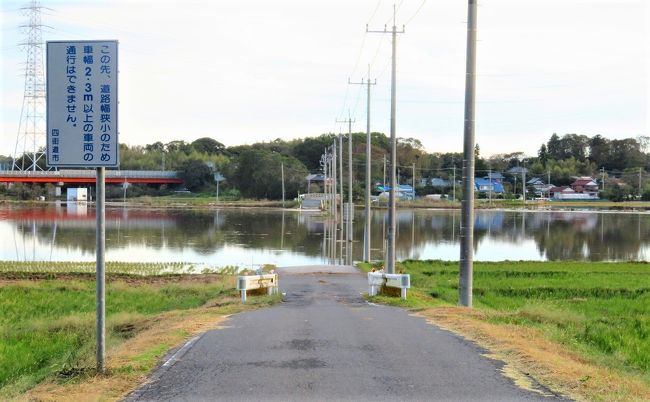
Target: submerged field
x=47 y=320
x=599 y=310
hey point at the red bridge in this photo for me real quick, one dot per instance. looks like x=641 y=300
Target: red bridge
x=88 y=176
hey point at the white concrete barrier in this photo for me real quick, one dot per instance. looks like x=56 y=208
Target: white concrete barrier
x=378 y=279
x=250 y=282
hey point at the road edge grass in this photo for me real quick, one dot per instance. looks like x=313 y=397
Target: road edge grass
x=527 y=353
x=129 y=364
x=131 y=361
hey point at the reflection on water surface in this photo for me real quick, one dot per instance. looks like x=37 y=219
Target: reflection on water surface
x=248 y=236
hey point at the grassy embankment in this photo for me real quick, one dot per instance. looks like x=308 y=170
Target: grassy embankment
x=580 y=327
x=47 y=325
x=207 y=200
x=518 y=204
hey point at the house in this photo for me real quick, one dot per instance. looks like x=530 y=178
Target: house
x=438 y=182
x=585 y=185
x=495 y=176
x=488 y=186
x=568 y=193
x=540 y=188
x=517 y=170
x=435 y=182
x=404 y=192
x=316 y=178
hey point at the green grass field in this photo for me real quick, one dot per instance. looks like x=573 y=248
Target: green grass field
x=601 y=310
x=47 y=326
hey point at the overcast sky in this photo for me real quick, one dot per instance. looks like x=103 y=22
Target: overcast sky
x=246 y=71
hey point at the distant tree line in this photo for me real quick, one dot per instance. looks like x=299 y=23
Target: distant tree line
x=254 y=171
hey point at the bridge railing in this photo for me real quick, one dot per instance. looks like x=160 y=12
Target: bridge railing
x=65 y=173
x=319 y=196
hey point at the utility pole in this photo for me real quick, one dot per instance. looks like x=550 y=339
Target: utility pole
x=383 y=183
x=490 y=186
x=467 y=222
x=523 y=184
x=340 y=158
x=454 y=182
x=602 y=170
x=392 y=202
x=349 y=214
x=336 y=214
x=413 y=180
x=366 y=227
x=322 y=164
x=282 y=173
x=640 y=183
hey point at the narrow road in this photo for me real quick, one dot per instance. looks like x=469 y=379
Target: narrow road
x=325 y=342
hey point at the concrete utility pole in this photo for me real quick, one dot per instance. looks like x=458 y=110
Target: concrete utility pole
x=392 y=202
x=282 y=173
x=523 y=183
x=366 y=227
x=340 y=158
x=323 y=163
x=490 y=186
x=383 y=183
x=413 y=179
x=467 y=219
x=334 y=172
x=602 y=170
x=454 y=182
x=349 y=214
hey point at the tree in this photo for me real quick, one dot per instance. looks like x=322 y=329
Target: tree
x=599 y=151
x=309 y=150
x=207 y=145
x=554 y=147
x=195 y=174
x=480 y=165
x=625 y=153
x=543 y=155
x=257 y=174
x=179 y=146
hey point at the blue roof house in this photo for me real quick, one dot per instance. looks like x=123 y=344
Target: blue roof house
x=486 y=186
x=404 y=191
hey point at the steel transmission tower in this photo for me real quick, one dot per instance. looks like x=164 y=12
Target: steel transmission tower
x=30 y=141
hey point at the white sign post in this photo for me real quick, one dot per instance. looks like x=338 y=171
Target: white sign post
x=82 y=130
x=218 y=178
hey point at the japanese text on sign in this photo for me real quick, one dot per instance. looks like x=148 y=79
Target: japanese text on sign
x=82 y=103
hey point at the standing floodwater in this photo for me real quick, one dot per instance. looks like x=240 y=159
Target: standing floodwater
x=244 y=237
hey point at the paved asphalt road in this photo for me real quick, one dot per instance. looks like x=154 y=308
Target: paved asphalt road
x=324 y=342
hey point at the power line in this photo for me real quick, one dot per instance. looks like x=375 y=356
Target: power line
x=416 y=12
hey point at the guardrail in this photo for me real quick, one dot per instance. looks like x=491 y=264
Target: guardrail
x=318 y=196
x=65 y=173
x=377 y=280
x=252 y=282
